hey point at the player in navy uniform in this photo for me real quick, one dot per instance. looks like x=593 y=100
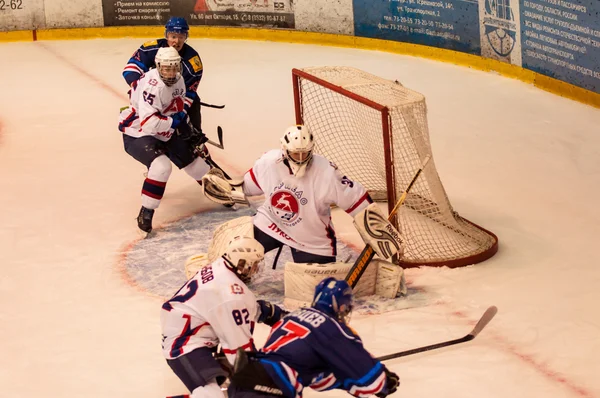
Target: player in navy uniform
x=313 y=347
x=176 y=34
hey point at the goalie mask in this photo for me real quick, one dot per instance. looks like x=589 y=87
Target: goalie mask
x=244 y=256
x=335 y=298
x=297 y=145
x=168 y=63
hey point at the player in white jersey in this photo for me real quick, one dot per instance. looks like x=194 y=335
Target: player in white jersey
x=156 y=131
x=215 y=307
x=299 y=187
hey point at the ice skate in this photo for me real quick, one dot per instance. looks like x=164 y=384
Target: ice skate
x=144 y=220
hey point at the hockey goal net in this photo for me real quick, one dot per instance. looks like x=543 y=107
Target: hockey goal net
x=376 y=131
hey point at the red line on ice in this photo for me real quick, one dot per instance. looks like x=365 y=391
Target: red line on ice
x=531 y=361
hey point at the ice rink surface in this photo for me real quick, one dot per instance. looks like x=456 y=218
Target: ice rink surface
x=521 y=162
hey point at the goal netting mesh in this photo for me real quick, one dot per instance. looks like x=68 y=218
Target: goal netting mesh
x=376 y=131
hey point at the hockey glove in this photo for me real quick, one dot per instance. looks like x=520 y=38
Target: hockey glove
x=270 y=313
x=197 y=138
x=184 y=131
x=392 y=381
x=177 y=119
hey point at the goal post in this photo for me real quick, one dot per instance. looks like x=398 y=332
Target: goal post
x=376 y=131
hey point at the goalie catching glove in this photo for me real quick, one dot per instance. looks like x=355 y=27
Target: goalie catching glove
x=220 y=190
x=377 y=232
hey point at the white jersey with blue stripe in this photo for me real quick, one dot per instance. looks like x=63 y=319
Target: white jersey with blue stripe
x=214 y=307
x=152 y=103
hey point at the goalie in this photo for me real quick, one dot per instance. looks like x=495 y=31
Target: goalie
x=299 y=188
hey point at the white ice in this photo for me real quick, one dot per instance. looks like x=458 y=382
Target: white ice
x=521 y=162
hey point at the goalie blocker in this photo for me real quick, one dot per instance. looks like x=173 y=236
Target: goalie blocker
x=376 y=231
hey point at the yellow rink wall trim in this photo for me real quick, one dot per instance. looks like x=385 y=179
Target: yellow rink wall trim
x=292 y=36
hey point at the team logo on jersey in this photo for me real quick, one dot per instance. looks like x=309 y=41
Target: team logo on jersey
x=285 y=205
x=237 y=289
x=196 y=63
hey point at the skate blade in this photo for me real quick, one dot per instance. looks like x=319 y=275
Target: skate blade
x=145 y=235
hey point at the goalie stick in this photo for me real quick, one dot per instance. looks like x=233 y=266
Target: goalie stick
x=365 y=257
x=483 y=321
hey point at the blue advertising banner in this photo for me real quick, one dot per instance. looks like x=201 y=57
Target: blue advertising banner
x=561 y=39
x=450 y=24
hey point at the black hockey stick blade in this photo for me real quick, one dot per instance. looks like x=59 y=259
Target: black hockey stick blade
x=220 y=137
x=487 y=316
x=211 y=105
x=209 y=141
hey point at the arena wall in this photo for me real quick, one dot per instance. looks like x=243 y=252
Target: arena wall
x=553 y=44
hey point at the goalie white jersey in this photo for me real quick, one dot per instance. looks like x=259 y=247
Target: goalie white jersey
x=151 y=104
x=297 y=211
x=214 y=307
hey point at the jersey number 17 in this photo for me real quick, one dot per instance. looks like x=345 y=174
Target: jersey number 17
x=293 y=331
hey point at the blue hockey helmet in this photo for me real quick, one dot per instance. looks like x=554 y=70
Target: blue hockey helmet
x=335 y=298
x=177 y=25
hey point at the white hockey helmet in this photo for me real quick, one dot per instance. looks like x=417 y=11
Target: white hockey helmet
x=244 y=256
x=168 y=63
x=297 y=145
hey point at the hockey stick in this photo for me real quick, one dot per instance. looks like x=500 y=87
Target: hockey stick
x=211 y=142
x=277 y=256
x=211 y=105
x=205 y=154
x=220 y=136
x=367 y=254
x=483 y=321
x=216 y=166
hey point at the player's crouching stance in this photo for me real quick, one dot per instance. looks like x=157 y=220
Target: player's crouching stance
x=313 y=347
x=214 y=307
x=299 y=189
x=156 y=132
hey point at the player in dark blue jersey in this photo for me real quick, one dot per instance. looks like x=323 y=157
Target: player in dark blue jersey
x=314 y=347
x=176 y=34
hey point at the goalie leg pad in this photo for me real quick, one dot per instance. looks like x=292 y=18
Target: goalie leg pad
x=377 y=232
x=390 y=279
x=194 y=263
x=300 y=281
